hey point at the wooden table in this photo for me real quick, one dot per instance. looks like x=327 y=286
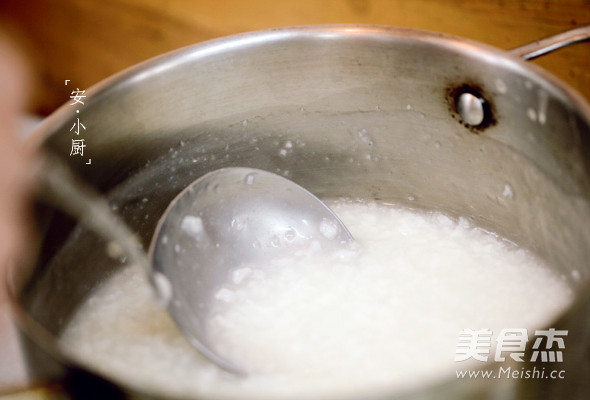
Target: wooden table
x=88 y=40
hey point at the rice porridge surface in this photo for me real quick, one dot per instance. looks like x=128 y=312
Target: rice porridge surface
x=384 y=316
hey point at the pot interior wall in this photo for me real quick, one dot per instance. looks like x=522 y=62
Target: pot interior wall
x=362 y=113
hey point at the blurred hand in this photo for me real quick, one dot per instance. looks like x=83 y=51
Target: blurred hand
x=15 y=176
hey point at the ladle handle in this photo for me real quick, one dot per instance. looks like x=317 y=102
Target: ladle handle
x=58 y=186
x=549 y=44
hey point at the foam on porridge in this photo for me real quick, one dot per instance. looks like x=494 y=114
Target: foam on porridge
x=385 y=316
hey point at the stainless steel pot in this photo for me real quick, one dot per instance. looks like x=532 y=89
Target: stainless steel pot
x=399 y=115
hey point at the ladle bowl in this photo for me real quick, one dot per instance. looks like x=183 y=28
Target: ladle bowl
x=225 y=220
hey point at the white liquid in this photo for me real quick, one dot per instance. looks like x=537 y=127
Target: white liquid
x=385 y=318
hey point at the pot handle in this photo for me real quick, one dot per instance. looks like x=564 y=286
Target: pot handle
x=547 y=45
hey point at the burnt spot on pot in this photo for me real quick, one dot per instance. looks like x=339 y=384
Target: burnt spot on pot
x=471 y=107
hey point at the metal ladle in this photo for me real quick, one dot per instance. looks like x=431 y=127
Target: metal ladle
x=224 y=219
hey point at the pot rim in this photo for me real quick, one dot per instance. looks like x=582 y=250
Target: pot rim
x=221 y=44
